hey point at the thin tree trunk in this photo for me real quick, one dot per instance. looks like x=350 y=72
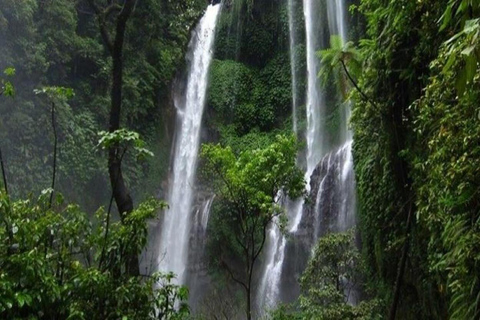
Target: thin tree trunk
x=401 y=268
x=5 y=185
x=249 y=304
x=54 y=154
x=109 y=212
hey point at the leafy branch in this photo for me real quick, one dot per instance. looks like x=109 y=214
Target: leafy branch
x=340 y=55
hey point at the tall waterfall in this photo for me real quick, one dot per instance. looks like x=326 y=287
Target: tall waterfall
x=329 y=167
x=175 y=233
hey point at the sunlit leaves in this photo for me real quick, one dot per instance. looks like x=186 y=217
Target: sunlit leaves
x=124 y=138
x=56 y=92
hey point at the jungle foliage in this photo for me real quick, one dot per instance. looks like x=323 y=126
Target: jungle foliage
x=57 y=43
x=415 y=122
x=56 y=263
x=412 y=71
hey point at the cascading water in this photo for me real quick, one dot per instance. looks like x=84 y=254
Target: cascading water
x=315 y=96
x=175 y=232
x=329 y=170
x=268 y=290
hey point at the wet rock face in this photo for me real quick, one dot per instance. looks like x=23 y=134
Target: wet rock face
x=331 y=206
x=197 y=278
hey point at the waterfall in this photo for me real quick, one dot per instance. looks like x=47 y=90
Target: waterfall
x=315 y=97
x=329 y=168
x=177 y=221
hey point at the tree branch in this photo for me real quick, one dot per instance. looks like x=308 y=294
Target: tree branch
x=355 y=84
x=263 y=239
x=101 y=17
x=111 y=9
x=232 y=194
x=233 y=276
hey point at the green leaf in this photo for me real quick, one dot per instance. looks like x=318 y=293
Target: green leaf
x=10 y=72
x=9 y=90
x=446 y=17
x=468 y=50
x=471 y=25
x=20 y=299
x=471 y=68
x=461 y=82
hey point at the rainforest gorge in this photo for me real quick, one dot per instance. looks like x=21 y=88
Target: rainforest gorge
x=240 y=159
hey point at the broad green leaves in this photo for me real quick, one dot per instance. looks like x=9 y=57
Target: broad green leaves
x=457 y=13
x=335 y=59
x=124 y=138
x=464 y=46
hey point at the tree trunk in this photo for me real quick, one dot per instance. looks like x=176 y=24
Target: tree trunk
x=401 y=268
x=122 y=196
x=119 y=189
x=249 y=304
x=4 y=176
x=54 y=165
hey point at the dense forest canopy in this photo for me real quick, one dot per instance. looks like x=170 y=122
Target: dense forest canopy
x=88 y=120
